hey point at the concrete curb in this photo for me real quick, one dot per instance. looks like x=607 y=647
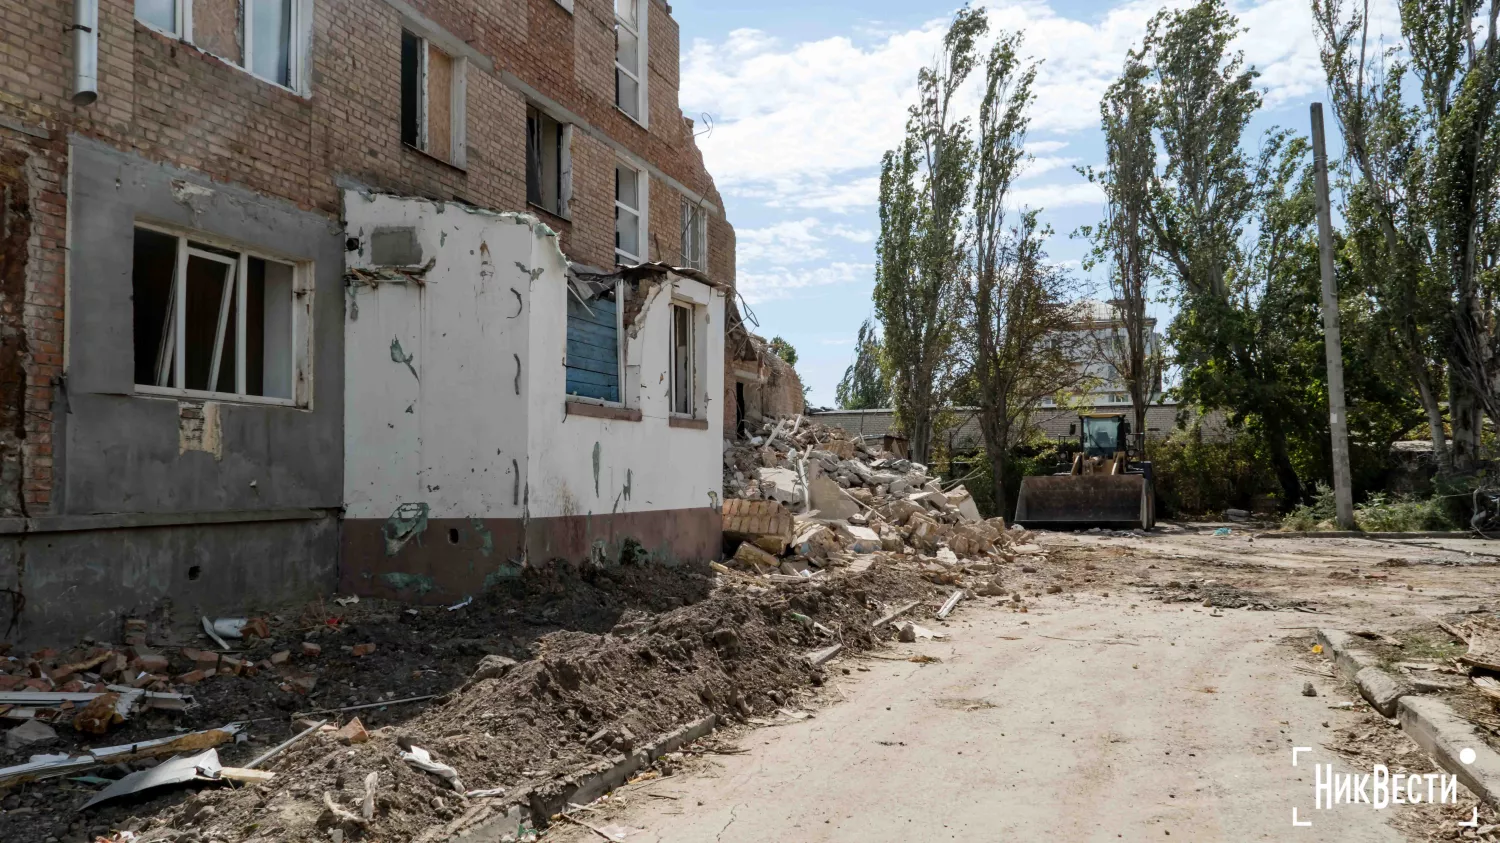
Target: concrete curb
x=1443 y=734
x=1360 y=666
x=1356 y=534
x=580 y=787
x=1429 y=722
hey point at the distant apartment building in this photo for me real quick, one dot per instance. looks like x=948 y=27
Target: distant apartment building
x=394 y=296
x=1098 y=338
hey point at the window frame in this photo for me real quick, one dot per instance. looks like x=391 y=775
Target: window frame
x=624 y=402
x=642 y=212
x=691 y=308
x=298 y=58
x=564 y=163
x=301 y=327
x=640 y=73
x=694 y=232
x=457 y=103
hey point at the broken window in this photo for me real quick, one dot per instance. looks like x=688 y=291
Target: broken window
x=593 y=356
x=684 y=349
x=630 y=58
x=547 y=163
x=266 y=37
x=432 y=99
x=630 y=225
x=212 y=320
x=694 y=236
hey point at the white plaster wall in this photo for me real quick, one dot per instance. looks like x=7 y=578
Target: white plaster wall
x=454 y=435
x=665 y=467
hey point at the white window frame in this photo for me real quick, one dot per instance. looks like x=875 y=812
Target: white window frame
x=299 y=59
x=640 y=72
x=692 y=350
x=643 y=214
x=458 y=100
x=301 y=309
x=694 y=233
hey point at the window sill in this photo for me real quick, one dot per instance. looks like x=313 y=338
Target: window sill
x=461 y=168
x=683 y=421
x=549 y=212
x=600 y=411
x=632 y=118
x=177 y=39
x=149 y=391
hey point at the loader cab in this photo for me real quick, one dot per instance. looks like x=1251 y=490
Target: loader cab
x=1103 y=435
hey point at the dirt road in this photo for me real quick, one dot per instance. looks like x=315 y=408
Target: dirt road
x=1163 y=719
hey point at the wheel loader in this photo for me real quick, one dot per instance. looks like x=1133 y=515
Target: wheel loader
x=1108 y=485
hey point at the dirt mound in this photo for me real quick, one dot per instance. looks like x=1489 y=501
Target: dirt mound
x=581 y=697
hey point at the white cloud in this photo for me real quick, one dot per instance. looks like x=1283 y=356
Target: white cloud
x=803 y=125
x=789 y=241
x=1054 y=196
x=781 y=282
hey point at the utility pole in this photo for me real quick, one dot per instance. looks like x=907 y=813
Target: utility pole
x=1338 y=424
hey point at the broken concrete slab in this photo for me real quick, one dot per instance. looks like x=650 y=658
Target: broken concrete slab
x=960 y=499
x=830 y=499
x=863 y=539
x=30 y=733
x=780 y=484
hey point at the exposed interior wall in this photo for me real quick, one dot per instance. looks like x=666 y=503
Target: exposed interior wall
x=591 y=466
x=462 y=464
x=436 y=416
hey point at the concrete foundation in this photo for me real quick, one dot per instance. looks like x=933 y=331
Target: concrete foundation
x=453 y=558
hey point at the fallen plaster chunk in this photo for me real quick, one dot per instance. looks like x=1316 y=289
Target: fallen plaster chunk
x=50 y=766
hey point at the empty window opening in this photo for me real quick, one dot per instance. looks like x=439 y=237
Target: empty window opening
x=265 y=37
x=630 y=55
x=452 y=535
x=432 y=99
x=630 y=200
x=195 y=572
x=547 y=162
x=593 y=355
x=694 y=236
x=232 y=333
x=683 y=349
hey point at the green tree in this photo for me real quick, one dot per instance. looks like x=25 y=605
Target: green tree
x=783 y=349
x=1016 y=302
x=1423 y=196
x=1121 y=243
x=924 y=186
x=865 y=385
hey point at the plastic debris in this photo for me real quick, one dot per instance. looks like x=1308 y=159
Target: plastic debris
x=423 y=760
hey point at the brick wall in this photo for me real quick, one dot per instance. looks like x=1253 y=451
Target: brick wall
x=171 y=102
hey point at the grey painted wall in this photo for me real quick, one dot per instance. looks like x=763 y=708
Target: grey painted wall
x=120 y=449
x=86 y=582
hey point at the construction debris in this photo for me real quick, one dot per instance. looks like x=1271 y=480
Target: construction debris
x=806 y=497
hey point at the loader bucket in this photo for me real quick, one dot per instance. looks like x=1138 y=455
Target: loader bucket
x=1081 y=501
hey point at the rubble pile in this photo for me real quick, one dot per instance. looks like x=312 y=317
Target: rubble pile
x=802 y=498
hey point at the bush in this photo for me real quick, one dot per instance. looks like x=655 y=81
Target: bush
x=1307 y=517
x=1197 y=477
x=1380 y=513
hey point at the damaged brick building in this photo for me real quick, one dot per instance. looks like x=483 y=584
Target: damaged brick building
x=201 y=195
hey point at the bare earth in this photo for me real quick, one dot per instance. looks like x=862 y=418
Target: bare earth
x=1181 y=728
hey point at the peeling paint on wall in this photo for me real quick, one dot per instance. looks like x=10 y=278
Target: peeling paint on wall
x=518 y=372
x=486 y=538
x=597 y=451
x=625 y=491
x=520 y=302
x=399 y=356
x=420 y=583
x=516 y=492
x=199 y=429
x=408 y=522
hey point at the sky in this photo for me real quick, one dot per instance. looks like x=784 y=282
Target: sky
x=804 y=97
